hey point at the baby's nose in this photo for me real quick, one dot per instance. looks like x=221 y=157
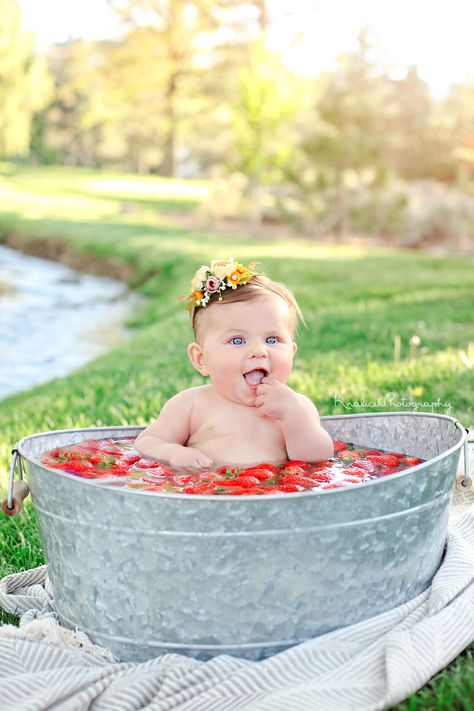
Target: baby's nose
x=258 y=349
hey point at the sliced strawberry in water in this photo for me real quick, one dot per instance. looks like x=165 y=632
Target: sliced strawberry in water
x=299 y=471
x=349 y=454
x=387 y=460
x=411 y=461
x=365 y=464
x=354 y=471
x=300 y=480
x=290 y=487
x=204 y=488
x=321 y=476
x=296 y=463
x=261 y=473
x=244 y=482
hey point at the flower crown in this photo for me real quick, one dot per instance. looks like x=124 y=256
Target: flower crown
x=213 y=279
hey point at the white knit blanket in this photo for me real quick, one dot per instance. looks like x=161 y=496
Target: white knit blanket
x=367 y=666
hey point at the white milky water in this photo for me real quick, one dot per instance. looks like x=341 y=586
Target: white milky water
x=54 y=319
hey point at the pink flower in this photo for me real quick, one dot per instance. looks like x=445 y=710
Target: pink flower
x=212 y=284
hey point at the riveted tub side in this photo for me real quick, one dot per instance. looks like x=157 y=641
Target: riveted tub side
x=145 y=574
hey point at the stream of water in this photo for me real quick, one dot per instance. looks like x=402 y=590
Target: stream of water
x=54 y=319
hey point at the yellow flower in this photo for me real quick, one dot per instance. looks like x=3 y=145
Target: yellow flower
x=234 y=278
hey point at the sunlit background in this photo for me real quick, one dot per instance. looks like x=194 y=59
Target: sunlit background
x=334 y=116
x=436 y=37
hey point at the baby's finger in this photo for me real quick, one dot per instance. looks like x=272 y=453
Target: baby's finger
x=269 y=380
x=204 y=462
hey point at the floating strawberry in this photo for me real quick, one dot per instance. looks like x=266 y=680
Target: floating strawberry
x=245 y=482
x=261 y=473
x=411 y=461
x=204 y=488
x=78 y=467
x=148 y=464
x=294 y=463
x=338 y=446
x=229 y=470
x=386 y=460
x=294 y=469
x=289 y=487
x=366 y=465
x=349 y=454
x=321 y=476
x=354 y=471
x=300 y=480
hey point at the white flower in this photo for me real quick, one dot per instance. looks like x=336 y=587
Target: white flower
x=199 y=277
x=221 y=268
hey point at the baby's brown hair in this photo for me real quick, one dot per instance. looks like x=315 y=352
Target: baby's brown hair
x=254 y=289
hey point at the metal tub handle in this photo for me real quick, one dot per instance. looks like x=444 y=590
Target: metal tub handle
x=17 y=490
x=466 y=480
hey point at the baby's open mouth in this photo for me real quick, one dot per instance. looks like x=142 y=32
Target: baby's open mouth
x=255 y=377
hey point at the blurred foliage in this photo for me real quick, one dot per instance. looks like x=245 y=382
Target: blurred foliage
x=24 y=82
x=191 y=90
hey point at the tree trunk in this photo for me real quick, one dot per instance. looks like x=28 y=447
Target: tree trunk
x=168 y=164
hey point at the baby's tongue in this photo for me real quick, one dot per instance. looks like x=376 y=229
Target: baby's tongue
x=254 y=377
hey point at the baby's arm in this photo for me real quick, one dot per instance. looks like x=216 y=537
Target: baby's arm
x=300 y=423
x=165 y=438
x=305 y=438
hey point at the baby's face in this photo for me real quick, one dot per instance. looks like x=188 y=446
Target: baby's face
x=242 y=343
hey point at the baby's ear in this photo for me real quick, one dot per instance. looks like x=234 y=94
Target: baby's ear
x=196 y=356
x=295 y=348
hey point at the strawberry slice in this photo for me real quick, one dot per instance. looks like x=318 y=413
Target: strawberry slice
x=203 y=488
x=411 y=461
x=290 y=487
x=304 y=481
x=338 y=446
x=296 y=463
x=299 y=471
x=349 y=454
x=386 y=460
x=244 y=482
x=366 y=464
x=261 y=473
x=354 y=471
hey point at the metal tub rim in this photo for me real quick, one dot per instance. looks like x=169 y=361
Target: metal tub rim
x=122 y=429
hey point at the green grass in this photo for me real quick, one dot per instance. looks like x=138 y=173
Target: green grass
x=355 y=301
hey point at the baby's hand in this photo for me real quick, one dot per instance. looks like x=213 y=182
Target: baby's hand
x=189 y=458
x=276 y=400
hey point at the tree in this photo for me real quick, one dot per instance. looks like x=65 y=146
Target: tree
x=407 y=126
x=344 y=145
x=24 y=82
x=185 y=37
x=268 y=99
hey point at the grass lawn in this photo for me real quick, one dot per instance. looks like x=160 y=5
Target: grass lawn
x=356 y=302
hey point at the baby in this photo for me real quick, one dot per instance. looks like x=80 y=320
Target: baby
x=244 y=326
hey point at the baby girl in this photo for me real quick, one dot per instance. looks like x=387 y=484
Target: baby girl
x=244 y=327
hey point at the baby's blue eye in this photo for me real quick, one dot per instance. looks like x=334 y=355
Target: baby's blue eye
x=237 y=341
x=271 y=340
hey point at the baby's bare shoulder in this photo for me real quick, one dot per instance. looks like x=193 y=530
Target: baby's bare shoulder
x=190 y=396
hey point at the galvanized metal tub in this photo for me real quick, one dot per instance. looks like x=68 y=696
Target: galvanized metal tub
x=145 y=573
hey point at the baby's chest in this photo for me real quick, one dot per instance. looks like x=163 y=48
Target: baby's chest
x=251 y=426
